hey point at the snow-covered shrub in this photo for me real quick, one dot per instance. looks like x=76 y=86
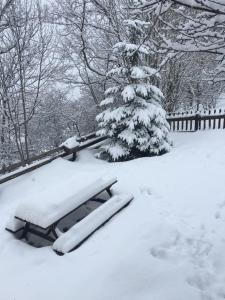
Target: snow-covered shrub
x=132 y=113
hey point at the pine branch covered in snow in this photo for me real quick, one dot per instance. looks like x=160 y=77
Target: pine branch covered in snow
x=133 y=117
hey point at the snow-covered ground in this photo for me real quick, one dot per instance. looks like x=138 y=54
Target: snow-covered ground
x=169 y=244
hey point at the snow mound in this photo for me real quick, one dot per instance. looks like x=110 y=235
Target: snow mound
x=71 y=142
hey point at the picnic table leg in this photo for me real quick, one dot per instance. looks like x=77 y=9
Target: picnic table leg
x=109 y=192
x=53 y=230
x=74 y=156
x=25 y=231
x=49 y=231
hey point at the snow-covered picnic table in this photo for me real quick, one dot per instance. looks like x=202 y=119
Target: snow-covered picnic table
x=45 y=209
x=41 y=214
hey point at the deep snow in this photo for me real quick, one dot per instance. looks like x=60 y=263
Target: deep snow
x=169 y=244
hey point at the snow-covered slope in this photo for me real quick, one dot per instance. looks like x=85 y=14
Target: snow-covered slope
x=168 y=244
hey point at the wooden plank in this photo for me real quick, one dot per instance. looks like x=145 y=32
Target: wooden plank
x=85 y=145
x=196 y=122
x=27 y=170
x=32 y=159
x=212 y=117
x=181 y=118
x=41 y=234
x=105 y=222
x=108 y=187
x=182 y=122
x=45 y=154
x=86 y=137
x=64 y=154
x=209 y=118
x=186 y=124
x=10 y=168
x=219 y=123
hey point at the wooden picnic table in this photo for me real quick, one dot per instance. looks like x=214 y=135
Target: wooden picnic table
x=41 y=215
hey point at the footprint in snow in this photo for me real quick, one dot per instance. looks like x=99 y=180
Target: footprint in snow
x=166 y=246
x=221 y=291
x=146 y=190
x=201 y=281
x=217 y=215
x=221 y=207
x=160 y=253
x=209 y=285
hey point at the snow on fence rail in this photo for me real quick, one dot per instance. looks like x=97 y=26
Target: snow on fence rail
x=183 y=121
x=18 y=169
x=198 y=120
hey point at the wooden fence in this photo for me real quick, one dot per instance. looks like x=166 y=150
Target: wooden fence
x=198 y=120
x=183 y=122
x=35 y=162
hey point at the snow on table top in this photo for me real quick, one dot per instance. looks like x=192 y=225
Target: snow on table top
x=45 y=208
x=14 y=224
x=80 y=231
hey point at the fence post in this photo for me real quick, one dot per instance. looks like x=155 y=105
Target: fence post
x=3 y=169
x=197 y=121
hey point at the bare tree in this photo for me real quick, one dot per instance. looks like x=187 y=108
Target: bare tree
x=5 y=46
x=88 y=29
x=25 y=69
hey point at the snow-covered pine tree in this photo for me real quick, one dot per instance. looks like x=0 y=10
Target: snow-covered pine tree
x=133 y=117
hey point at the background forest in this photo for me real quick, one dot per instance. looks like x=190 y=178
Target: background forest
x=55 y=58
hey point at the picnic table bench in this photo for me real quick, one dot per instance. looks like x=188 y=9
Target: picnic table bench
x=41 y=216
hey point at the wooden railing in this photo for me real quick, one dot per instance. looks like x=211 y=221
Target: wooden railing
x=198 y=120
x=35 y=162
x=184 y=121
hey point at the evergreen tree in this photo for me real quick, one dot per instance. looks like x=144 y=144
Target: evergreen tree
x=133 y=117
